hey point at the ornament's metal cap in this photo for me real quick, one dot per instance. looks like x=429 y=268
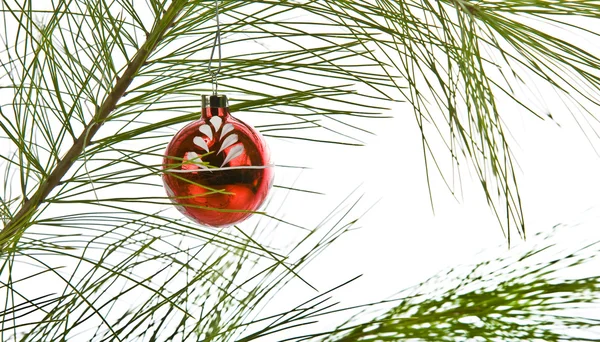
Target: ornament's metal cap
x=215 y=101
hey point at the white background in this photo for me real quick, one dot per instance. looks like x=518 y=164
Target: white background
x=401 y=241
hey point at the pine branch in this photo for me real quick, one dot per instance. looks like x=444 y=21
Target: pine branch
x=20 y=221
x=544 y=290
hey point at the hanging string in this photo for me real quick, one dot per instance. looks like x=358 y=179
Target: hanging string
x=216 y=45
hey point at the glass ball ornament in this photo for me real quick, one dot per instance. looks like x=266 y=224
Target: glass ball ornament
x=217 y=169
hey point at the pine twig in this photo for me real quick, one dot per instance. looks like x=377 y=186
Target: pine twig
x=18 y=222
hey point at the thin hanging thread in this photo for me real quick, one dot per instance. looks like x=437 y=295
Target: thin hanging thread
x=216 y=44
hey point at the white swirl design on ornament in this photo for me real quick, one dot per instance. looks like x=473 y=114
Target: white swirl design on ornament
x=216 y=130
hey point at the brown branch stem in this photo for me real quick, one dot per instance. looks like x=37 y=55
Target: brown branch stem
x=22 y=219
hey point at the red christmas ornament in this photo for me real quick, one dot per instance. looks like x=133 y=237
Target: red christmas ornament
x=216 y=169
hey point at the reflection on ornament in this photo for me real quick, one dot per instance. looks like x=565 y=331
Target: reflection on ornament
x=216 y=169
